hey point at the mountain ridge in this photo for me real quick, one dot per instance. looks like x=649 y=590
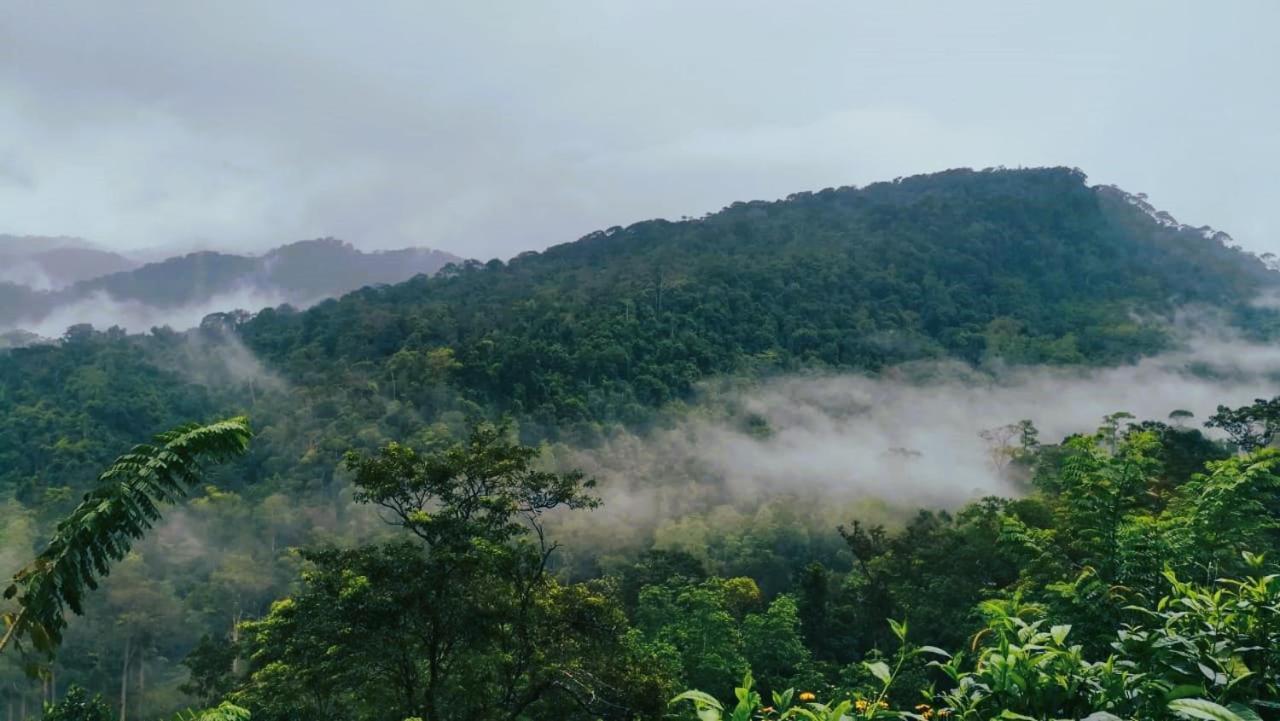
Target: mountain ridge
x=300 y=273
x=1030 y=265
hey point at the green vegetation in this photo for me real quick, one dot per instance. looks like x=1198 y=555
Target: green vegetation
x=389 y=546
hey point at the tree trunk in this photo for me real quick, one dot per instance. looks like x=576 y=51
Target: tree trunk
x=235 y=641
x=142 y=682
x=124 y=682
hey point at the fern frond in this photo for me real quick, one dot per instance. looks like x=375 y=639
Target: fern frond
x=111 y=517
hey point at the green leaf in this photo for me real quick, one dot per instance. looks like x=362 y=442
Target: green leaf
x=899 y=629
x=102 y=529
x=879 y=669
x=1214 y=677
x=1185 y=690
x=1244 y=712
x=699 y=698
x=1199 y=708
x=1059 y=633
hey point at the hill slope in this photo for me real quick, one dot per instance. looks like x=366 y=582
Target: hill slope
x=1029 y=266
x=1032 y=266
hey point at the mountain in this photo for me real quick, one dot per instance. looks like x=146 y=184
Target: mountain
x=299 y=273
x=609 y=345
x=986 y=267
x=1027 y=266
x=50 y=263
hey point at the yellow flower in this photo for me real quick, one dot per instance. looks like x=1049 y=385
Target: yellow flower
x=861 y=705
x=884 y=704
x=807 y=696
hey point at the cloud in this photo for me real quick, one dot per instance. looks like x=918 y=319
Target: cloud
x=492 y=129
x=907 y=439
x=103 y=311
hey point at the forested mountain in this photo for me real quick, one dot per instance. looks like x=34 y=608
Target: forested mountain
x=1029 y=266
x=389 y=396
x=299 y=273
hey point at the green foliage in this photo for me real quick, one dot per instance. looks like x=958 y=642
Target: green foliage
x=78 y=706
x=1250 y=427
x=224 y=711
x=620 y=329
x=463 y=622
x=107 y=522
x=1200 y=652
x=211 y=664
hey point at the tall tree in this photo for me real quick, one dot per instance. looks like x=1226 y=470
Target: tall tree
x=464 y=622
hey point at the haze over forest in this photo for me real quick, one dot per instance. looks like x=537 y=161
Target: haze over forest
x=446 y=364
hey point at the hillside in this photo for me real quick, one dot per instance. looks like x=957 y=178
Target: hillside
x=1029 y=266
x=1024 y=267
x=299 y=273
x=604 y=351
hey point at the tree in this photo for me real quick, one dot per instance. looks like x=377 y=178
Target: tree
x=465 y=622
x=104 y=526
x=1250 y=427
x=210 y=666
x=78 y=706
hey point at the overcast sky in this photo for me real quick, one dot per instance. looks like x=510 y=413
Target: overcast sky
x=488 y=128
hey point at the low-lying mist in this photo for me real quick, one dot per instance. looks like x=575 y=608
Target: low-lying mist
x=103 y=311
x=831 y=446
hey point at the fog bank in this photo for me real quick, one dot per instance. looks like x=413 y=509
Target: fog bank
x=906 y=439
x=102 y=311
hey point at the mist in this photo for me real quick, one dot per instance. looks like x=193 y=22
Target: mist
x=838 y=446
x=102 y=311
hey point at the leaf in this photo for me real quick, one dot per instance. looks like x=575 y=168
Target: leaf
x=1059 y=633
x=1101 y=716
x=935 y=651
x=879 y=669
x=899 y=629
x=1244 y=712
x=1199 y=708
x=1185 y=690
x=1216 y=678
x=783 y=699
x=103 y=527
x=699 y=698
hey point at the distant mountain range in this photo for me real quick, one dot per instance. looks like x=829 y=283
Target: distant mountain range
x=52 y=263
x=47 y=284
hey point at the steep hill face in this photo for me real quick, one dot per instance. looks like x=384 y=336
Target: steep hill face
x=1032 y=266
x=299 y=273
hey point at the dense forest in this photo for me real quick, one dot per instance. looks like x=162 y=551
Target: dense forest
x=406 y=535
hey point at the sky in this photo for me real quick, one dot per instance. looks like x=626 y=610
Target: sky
x=491 y=128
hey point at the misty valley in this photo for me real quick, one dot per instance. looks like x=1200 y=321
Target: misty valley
x=978 y=444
